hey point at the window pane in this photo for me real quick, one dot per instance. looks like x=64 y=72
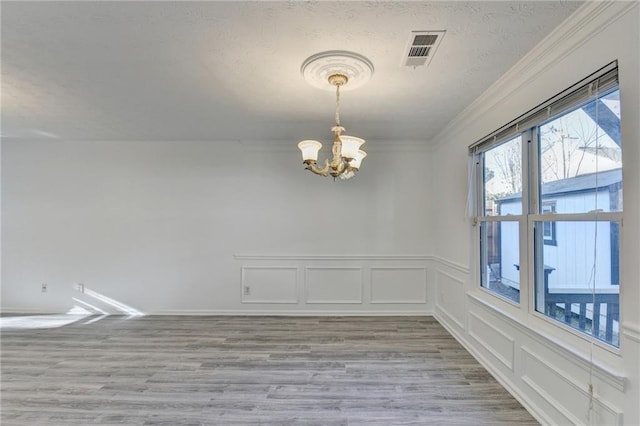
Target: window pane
x=502 y=178
x=500 y=260
x=580 y=158
x=577 y=279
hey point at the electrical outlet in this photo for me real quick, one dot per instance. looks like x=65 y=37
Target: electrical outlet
x=247 y=290
x=80 y=287
x=44 y=287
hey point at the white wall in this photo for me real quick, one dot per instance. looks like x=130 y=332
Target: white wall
x=156 y=226
x=181 y=227
x=543 y=364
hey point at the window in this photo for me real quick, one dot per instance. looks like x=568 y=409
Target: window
x=501 y=168
x=550 y=183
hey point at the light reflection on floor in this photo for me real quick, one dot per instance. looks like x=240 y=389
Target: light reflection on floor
x=25 y=322
x=111 y=304
x=81 y=310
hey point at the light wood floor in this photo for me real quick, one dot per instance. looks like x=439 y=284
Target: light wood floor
x=248 y=371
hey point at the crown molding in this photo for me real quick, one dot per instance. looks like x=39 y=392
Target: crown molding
x=584 y=24
x=342 y=257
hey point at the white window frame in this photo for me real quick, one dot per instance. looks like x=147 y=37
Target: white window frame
x=531 y=211
x=520 y=219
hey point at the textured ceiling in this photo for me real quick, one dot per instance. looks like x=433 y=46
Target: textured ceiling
x=213 y=71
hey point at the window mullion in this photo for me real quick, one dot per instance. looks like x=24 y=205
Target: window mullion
x=533 y=172
x=479 y=162
x=528 y=168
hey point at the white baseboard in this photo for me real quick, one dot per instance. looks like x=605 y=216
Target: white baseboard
x=29 y=311
x=238 y=312
x=305 y=313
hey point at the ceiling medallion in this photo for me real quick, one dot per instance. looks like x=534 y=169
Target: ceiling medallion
x=329 y=70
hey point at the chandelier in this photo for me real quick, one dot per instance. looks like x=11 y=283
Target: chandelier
x=329 y=70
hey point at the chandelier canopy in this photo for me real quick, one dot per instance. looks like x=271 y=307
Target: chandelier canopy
x=329 y=70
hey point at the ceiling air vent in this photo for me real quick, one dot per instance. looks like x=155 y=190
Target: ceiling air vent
x=421 y=48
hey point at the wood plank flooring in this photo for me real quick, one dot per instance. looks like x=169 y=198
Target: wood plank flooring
x=161 y=370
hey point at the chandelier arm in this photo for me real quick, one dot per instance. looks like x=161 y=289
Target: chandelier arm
x=324 y=171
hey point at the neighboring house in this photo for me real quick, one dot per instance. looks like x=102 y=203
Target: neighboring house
x=594 y=191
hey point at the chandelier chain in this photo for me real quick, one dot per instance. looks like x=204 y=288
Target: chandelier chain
x=337 y=105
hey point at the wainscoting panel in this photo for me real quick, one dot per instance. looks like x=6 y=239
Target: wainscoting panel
x=495 y=341
x=269 y=284
x=451 y=297
x=567 y=395
x=338 y=284
x=398 y=285
x=549 y=377
x=333 y=285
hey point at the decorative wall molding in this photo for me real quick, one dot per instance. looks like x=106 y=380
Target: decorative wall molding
x=332 y=288
x=575 y=389
x=449 y=318
x=404 y=287
x=631 y=331
x=614 y=378
x=445 y=294
x=450 y=264
x=506 y=359
x=588 y=21
x=540 y=389
x=272 y=288
x=457 y=280
x=475 y=341
x=338 y=283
